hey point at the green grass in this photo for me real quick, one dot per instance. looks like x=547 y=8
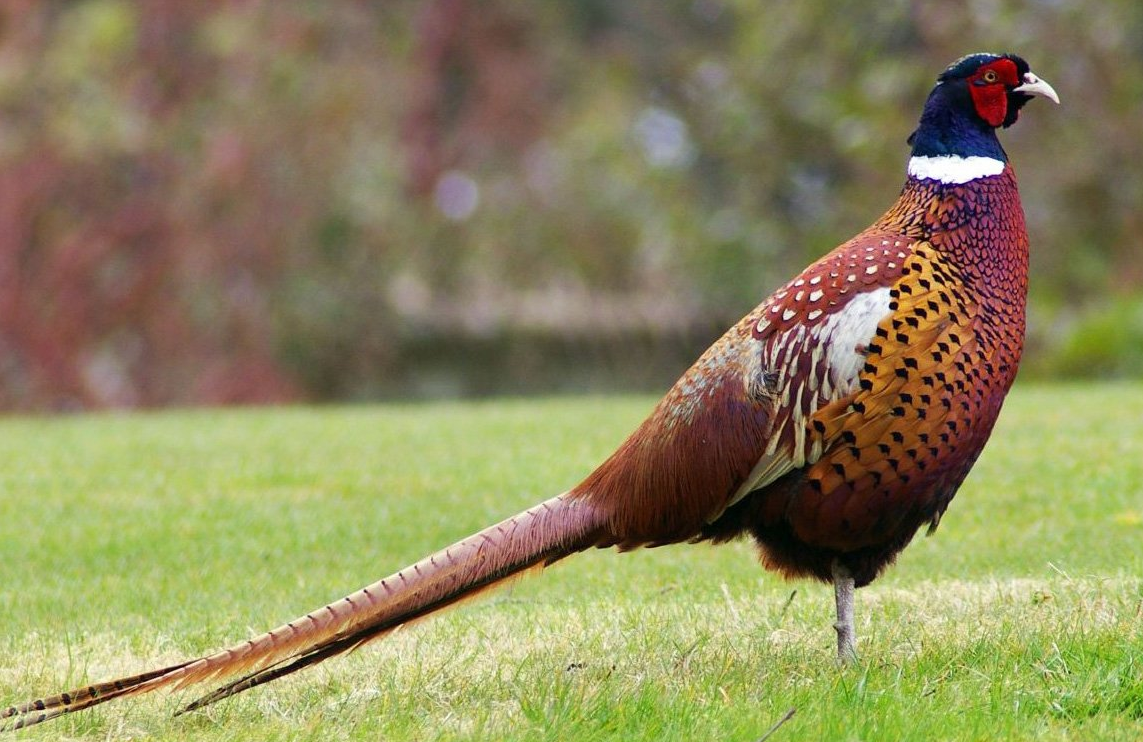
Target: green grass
x=131 y=539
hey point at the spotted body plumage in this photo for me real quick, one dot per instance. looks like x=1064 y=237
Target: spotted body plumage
x=935 y=371
x=830 y=423
x=860 y=393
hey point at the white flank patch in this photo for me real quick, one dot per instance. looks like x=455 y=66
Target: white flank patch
x=844 y=332
x=841 y=337
x=954 y=168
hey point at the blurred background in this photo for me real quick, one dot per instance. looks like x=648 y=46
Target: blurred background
x=251 y=201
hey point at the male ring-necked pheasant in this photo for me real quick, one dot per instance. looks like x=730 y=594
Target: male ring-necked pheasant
x=830 y=424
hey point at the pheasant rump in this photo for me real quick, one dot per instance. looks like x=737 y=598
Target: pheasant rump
x=830 y=424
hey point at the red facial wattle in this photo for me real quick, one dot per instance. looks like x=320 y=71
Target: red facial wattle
x=989 y=88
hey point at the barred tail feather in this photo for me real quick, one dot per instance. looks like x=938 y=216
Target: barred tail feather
x=44 y=709
x=533 y=539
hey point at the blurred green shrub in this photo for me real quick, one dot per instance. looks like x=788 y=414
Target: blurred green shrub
x=218 y=202
x=1102 y=342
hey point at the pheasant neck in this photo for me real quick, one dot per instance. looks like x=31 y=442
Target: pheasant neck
x=949 y=126
x=977 y=224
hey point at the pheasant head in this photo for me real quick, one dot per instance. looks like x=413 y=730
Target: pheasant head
x=976 y=95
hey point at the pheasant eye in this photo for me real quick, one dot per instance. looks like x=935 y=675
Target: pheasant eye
x=990 y=76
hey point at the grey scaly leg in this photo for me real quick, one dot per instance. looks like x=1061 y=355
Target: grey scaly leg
x=843 y=594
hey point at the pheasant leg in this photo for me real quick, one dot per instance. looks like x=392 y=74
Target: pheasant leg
x=843 y=595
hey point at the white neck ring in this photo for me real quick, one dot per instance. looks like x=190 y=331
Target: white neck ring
x=954 y=168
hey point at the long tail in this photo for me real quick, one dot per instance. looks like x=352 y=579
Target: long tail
x=533 y=539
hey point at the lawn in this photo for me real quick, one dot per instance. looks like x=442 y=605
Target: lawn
x=127 y=540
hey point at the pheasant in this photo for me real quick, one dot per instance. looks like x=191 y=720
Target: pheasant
x=830 y=423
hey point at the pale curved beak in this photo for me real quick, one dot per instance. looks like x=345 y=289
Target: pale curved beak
x=1035 y=86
